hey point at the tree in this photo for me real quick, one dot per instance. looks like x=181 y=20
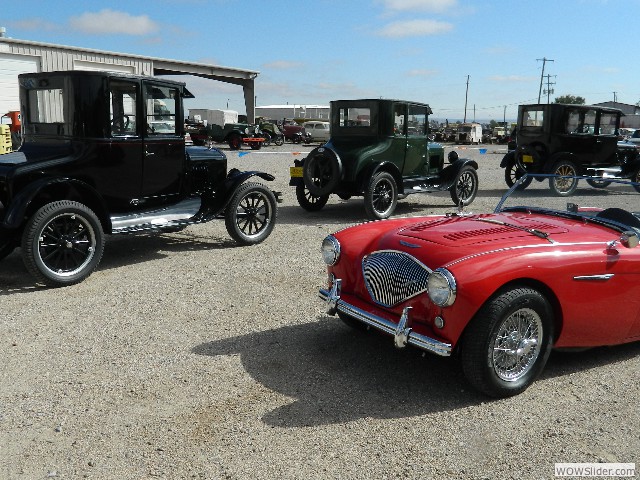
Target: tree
x=571 y=100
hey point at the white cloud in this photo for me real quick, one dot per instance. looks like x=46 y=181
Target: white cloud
x=33 y=24
x=420 y=5
x=415 y=28
x=283 y=65
x=113 y=22
x=422 y=73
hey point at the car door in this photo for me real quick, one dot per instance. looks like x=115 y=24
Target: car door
x=579 y=136
x=119 y=173
x=416 y=158
x=164 y=153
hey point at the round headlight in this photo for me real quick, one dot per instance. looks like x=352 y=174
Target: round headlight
x=330 y=250
x=442 y=287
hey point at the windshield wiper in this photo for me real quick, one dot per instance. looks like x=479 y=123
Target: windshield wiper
x=533 y=231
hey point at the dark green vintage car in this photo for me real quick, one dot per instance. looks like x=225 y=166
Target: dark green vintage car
x=379 y=150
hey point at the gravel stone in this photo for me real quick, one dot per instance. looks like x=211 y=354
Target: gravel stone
x=185 y=356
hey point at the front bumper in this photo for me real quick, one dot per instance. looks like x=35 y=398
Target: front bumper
x=401 y=331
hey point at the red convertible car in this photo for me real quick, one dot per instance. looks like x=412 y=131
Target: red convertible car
x=498 y=290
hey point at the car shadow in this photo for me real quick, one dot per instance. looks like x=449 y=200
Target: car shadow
x=133 y=249
x=119 y=251
x=336 y=374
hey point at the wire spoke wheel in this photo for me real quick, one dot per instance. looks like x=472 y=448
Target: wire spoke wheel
x=517 y=344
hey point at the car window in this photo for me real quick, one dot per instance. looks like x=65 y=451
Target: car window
x=122 y=108
x=399 y=119
x=355 y=117
x=161 y=107
x=532 y=118
x=417 y=121
x=608 y=123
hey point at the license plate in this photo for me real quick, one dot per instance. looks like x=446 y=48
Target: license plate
x=527 y=159
x=295 y=172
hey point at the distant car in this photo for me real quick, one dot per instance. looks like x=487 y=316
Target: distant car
x=634 y=138
x=497 y=291
x=319 y=131
x=570 y=140
x=379 y=149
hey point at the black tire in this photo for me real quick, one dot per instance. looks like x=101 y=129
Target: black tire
x=251 y=214
x=62 y=243
x=308 y=201
x=465 y=188
x=381 y=196
x=267 y=139
x=512 y=174
x=296 y=139
x=279 y=141
x=321 y=171
x=256 y=145
x=234 y=141
x=636 y=180
x=563 y=187
x=596 y=183
x=507 y=344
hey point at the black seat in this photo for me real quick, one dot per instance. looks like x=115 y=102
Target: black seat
x=620 y=215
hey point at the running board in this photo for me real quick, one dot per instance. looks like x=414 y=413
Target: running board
x=178 y=215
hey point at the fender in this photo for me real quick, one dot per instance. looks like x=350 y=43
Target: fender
x=20 y=204
x=365 y=175
x=508 y=159
x=450 y=173
x=556 y=157
x=212 y=206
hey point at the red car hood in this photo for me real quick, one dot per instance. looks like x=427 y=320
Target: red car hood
x=497 y=231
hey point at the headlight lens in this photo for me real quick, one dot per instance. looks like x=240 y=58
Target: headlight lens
x=330 y=250
x=442 y=287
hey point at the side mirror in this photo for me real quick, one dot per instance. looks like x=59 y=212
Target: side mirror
x=629 y=239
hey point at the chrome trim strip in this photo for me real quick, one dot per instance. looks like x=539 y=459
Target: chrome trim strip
x=420 y=341
x=595 y=278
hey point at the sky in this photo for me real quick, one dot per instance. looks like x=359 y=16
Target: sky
x=485 y=56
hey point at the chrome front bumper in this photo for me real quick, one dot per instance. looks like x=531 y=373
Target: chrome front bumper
x=401 y=332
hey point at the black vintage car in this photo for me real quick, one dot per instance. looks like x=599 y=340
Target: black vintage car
x=379 y=149
x=570 y=140
x=104 y=153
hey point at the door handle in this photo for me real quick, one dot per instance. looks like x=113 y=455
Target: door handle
x=148 y=154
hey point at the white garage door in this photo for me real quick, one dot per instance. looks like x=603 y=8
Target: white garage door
x=10 y=67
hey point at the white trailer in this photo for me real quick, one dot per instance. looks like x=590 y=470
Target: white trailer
x=213 y=117
x=469 y=133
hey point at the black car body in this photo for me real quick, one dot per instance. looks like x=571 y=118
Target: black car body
x=379 y=149
x=104 y=153
x=570 y=140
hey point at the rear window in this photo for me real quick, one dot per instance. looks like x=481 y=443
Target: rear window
x=532 y=118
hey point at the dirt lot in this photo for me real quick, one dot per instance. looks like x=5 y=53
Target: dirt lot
x=185 y=356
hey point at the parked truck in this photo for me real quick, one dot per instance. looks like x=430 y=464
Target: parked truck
x=469 y=133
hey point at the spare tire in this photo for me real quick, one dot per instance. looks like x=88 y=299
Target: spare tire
x=528 y=159
x=322 y=171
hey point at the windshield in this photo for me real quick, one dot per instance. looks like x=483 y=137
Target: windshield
x=609 y=201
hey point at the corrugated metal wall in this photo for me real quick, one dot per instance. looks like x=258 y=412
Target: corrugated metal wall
x=53 y=59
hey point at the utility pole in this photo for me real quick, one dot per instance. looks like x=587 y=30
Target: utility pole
x=466 y=96
x=544 y=61
x=549 y=90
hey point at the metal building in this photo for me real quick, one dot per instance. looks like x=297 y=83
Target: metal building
x=21 y=56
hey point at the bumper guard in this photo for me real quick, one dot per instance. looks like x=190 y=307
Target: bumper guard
x=401 y=332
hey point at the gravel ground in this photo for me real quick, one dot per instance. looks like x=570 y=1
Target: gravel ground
x=185 y=356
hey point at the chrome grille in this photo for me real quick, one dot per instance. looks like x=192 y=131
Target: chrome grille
x=392 y=277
